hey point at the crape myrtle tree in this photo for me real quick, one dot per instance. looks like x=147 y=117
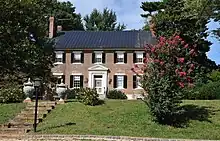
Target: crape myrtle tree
x=169 y=67
x=188 y=18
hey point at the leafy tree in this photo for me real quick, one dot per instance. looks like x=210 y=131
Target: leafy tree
x=25 y=51
x=104 y=21
x=65 y=14
x=169 y=66
x=188 y=19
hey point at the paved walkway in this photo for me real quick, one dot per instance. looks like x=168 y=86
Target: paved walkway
x=38 y=137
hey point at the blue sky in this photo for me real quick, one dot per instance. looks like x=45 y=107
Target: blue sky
x=128 y=12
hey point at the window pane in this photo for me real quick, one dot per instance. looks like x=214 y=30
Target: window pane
x=76 y=81
x=139 y=58
x=59 y=55
x=120 y=57
x=98 y=58
x=120 y=81
x=77 y=56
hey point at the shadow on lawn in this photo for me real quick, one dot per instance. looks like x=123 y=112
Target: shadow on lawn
x=58 y=126
x=193 y=112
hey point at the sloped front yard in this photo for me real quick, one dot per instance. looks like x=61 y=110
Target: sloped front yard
x=8 y=111
x=131 y=118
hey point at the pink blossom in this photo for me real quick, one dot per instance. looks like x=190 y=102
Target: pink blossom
x=145 y=60
x=181 y=60
x=192 y=66
x=186 y=46
x=161 y=63
x=162 y=38
x=182 y=73
x=177 y=37
x=136 y=66
x=176 y=71
x=182 y=42
x=153 y=49
x=156 y=60
x=181 y=84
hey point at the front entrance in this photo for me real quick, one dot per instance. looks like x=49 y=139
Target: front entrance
x=98 y=84
x=98 y=79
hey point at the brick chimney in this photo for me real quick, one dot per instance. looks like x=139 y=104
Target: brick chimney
x=51 y=27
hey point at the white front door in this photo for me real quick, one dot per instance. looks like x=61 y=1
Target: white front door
x=98 y=84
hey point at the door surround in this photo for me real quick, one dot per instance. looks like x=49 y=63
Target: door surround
x=102 y=71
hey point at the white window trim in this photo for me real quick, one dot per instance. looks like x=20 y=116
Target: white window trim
x=122 y=74
x=57 y=73
x=76 y=74
x=58 y=52
x=98 y=52
x=123 y=57
x=77 y=52
x=140 y=52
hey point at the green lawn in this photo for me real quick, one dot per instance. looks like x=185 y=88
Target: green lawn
x=130 y=118
x=8 y=111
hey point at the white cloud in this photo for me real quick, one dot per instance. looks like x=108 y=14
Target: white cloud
x=127 y=11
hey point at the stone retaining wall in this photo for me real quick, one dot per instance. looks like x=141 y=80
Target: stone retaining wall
x=33 y=137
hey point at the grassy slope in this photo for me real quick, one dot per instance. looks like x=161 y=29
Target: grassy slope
x=8 y=111
x=126 y=118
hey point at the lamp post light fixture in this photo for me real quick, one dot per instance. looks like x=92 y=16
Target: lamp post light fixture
x=37 y=84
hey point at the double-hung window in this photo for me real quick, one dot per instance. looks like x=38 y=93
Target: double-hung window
x=76 y=81
x=120 y=81
x=59 y=58
x=98 y=57
x=120 y=57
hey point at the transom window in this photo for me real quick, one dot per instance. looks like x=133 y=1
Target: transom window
x=120 y=81
x=76 y=81
x=77 y=57
x=120 y=57
x=59 y=58
x=139 y=57
x=98 y=57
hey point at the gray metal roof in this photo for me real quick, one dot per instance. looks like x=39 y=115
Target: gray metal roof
x=104 y=39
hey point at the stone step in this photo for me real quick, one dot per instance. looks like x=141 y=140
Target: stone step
x=38 y=108
x=14 y=124
x=39 y=114
x=6 y=130
x=28 y=117
x=33 y=112
x=41 y=105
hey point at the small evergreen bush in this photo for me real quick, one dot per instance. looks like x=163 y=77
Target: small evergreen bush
x=88 y=96
x=116 y=94
x=11 y=94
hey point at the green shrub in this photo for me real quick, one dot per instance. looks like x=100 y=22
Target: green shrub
x=88 y=96
x=11 y=94
x=205 y=92
x=70 y=93
x=116 y=94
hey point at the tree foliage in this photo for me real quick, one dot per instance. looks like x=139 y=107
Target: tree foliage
x=187 y=18
x=24 y=48
x=169 y=66
x=65 y=15
x=103 y=21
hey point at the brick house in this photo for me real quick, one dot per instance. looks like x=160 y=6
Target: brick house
x=101 y=60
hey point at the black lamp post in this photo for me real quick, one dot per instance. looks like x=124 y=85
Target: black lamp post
x=37 y=83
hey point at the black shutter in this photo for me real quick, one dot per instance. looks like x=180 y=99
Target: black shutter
x=81 y=81
x=63 y=77
x=125 y=57
x=115 y=57
x=72 y=57
x=93 y=57
x=71 y=81
x=64 y=57
x=134 y=57
x=103 y=58
x=82 y=57
x=125 y=81
x=115 y=81
x=134 y=81
x=144 y=56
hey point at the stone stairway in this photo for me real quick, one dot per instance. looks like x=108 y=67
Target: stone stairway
x=24 y=121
